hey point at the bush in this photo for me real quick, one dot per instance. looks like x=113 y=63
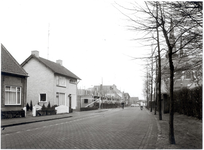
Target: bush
x=46 y=111
x=27 y=107
x=43 y=107
x=31 y=105
x=48 y=106
x=12 y=114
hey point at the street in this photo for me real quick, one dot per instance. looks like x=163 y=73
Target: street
x=128 y=128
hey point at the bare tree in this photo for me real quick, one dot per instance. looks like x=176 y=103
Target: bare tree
x=172 y=22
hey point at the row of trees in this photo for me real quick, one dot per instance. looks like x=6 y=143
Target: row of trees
x=173 y=29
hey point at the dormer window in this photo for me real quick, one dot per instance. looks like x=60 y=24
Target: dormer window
x=73 y=81
x=61 y=81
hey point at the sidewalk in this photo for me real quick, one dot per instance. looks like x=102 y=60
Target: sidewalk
x=30 y=119
x=187 y=132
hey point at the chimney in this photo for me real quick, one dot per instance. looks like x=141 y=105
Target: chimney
x=59 y=61
x=35 y=52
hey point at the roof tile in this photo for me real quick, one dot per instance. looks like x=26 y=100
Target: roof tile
x=55 y=67
x=9 y=64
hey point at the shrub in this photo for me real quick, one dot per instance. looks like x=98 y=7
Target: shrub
x=27 y=107
x=43 y=107
x=12 y=114
x=31 y=105
x=48 y=106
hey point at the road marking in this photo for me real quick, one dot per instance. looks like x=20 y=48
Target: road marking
x=28 y=130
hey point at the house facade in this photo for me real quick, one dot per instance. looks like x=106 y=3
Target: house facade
x=127 y=98
x=50 y=82
x=13 y=83
x=109 y=91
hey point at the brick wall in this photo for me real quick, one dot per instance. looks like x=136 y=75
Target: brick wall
x=13 y=80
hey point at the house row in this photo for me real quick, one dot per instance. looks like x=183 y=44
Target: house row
x=106 y=93
x=38 y=80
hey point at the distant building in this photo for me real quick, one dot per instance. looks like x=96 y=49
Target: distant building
x=109 y=91
x=127 y=98
x=134 y=100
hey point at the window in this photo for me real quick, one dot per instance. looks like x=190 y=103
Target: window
x=61 y=81
x=85 y=100
x=43 y=97
x=73 y=81
x=12 y=95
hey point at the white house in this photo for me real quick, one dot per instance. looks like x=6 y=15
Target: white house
x=50 y=82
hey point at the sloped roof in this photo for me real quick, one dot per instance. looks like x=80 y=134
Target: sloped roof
x=9 y=64
x=55 y=67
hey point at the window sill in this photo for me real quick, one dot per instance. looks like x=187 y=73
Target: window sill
x=12 y=104
x=61 y=86
x=73 y=83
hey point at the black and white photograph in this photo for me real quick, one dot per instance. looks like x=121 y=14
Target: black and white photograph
x=101 y=74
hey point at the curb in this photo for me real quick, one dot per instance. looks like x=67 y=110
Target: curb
x=158 y=127
x=41 y=120
x=28 y=122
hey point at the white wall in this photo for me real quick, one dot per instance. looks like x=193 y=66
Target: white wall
x=40 y=80
x=73 y=92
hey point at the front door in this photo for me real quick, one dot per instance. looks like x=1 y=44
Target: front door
x=61 y=98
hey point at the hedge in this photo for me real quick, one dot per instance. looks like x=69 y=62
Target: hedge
x=46 y=111
x=88 y=108
x=189 y=102
x=12 y=114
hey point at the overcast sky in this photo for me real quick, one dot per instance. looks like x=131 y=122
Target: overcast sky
x=90 y=36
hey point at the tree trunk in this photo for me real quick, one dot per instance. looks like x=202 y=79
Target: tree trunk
x=159 y=69
x=171 y=111
x=151 y=79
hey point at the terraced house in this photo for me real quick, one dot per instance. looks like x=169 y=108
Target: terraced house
x=50 y=82
x=13 y=83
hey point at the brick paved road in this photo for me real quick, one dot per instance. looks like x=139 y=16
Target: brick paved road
x=129 y=128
